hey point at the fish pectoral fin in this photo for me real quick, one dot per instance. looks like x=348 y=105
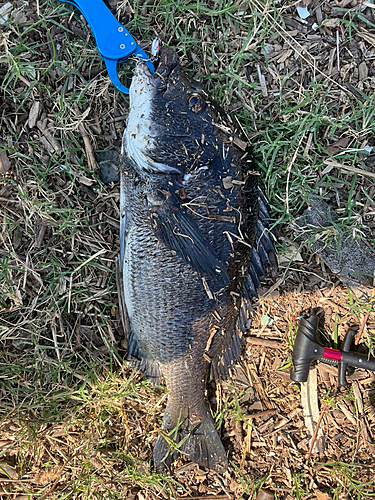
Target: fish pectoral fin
x=179 y=231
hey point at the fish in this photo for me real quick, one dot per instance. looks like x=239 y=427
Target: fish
x=190 y=212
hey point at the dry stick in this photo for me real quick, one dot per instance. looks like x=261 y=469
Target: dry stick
x=361 y=328
x=273 y=344
x=314 y=436
x=86 y=140
x=360 y=171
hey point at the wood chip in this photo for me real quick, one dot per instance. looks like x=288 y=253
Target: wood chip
x=358 y=397
x=286 y=54
x=262 y=82
x=258 y=386
x=362 y=71
x=4 y=163
x=310 y=404
x=348 y=414
x=47 y=139
x=34 y=113
x=240 y=143
x=369 y=38
x=227 y=182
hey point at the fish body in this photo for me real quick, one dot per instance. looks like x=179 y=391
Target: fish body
x=189 y=218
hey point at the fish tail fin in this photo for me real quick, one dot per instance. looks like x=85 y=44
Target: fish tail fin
x=197 y=441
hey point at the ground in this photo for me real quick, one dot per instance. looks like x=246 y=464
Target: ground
x=76 y=422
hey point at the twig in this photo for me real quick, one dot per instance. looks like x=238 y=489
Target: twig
x=361 y=328
x=355 y=170
x=273 y=344
x=86 y=140
x=313 y=439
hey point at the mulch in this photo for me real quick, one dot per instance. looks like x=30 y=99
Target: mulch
x=264 y=429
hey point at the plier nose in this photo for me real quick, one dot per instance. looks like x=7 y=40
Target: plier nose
x=115 y=44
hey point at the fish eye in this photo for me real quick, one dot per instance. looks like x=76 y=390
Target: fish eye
x=196 y=103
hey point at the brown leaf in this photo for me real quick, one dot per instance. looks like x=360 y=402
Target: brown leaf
x=6 y=470
x=340 y=144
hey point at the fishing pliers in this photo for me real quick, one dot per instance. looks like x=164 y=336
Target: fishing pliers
x=114 y=42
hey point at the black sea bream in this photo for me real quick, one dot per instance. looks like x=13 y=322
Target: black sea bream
x=189 y=218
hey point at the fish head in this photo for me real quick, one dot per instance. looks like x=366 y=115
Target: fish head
x=171 y=123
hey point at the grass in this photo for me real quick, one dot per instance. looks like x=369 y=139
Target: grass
x=75 y=422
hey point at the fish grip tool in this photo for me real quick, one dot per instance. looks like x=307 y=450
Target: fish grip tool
x=307 y=349
x=115 y=43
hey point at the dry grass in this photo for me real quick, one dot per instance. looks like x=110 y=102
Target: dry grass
x=75 y=422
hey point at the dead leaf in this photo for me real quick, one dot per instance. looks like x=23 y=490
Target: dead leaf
x=340 y=144
x=6 y=470
x=46 y=476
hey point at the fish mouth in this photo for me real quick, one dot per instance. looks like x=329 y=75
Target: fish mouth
x=143 y=128
x=165 y=62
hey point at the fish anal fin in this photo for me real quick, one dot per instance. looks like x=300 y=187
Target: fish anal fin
x=148 y=367
x=223 y=361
